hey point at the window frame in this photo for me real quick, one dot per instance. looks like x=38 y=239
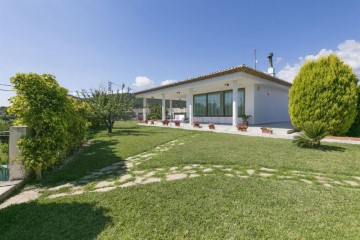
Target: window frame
x=223 y=101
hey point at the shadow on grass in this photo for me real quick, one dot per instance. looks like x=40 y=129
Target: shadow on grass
x=100 y=154
x=52 y=221
x=328 y=148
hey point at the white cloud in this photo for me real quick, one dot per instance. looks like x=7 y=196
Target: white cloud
x=143 y=82
x=166 y=82
x=279 y=59
x=348 y=51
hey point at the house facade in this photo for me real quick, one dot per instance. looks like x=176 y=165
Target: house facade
x=222 y=97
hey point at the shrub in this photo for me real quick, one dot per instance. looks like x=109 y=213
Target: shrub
x=4 y=153
x=324 y=90
x=211 y=126
x=311 y=134
x=56 y=122
x=354 y=130
x=4 y=126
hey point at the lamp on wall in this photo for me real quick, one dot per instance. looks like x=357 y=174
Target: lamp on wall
x=177 y=92
x=226 y=84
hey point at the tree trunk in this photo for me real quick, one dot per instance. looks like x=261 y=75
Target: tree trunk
x=38 y=172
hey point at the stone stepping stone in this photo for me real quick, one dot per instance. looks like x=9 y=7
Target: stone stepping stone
x=61 y=186
x=138 y=180
x=229 y=175
x=285 y=177
x=352 y=183
x=196 y=165
x=194 y=175
x=357 y=178
x=227 y=169
x=118 y=163
x=104 y=189
x=173 y=168
x=177 y=176
x=57 y=195
x=327 y=185
x=77 y=192
x=151 y=180
x=250 y=171
x=97 y=173
x=22 y=197
x=125 y=177
x=306 y=181
x=104 y=184
x=128 y=184
x=188 y=167
x=129 y=165
x=138 y=172
x=243 y=176
x=207 y=170
x=268 y=169
x=218 y=166
x=265 y=174
x=149 y=174
x=109 y=168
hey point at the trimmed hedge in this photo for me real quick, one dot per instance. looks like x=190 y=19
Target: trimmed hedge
x=324 y=90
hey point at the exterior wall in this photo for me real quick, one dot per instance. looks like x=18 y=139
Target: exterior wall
x=271 y=105
x=249 y=102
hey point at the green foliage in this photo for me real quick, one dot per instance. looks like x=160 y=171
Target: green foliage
x=354 y=130
x=4 y=126
x=4 y=153
x=324 y=90
x=155 y=112
x=108 y=107
x=56 y=122
x=311 y=134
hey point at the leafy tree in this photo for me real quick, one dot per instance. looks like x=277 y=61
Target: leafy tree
x=109 y=106
x=55 y=121
x=324 y=90
x=155 y=112
x=354 y=130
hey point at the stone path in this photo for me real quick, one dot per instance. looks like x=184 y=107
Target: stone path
x=123 y=175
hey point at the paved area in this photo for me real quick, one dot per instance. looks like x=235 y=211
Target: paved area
x=6 y=187
x=280 y=130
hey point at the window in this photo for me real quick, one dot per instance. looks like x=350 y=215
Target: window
x=218 y=104
x=215 y=104
x=241 y=102
x=200 y=105
x=228 y=104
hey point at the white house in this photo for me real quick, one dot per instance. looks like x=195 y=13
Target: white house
x=222 y=97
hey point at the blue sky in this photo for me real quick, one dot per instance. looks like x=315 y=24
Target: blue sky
x=85 y=43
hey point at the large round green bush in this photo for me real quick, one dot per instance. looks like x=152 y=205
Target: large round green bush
x=324 y=90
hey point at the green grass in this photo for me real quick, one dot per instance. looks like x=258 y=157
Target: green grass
x=207 y=207
x=227 y=149
x=126 y=140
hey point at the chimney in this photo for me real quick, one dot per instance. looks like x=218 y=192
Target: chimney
x=271 y=69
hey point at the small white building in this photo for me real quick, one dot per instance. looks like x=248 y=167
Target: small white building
x=222 y=97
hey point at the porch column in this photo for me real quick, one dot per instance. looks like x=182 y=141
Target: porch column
x=144 y=108
x=171 y=113
x=163 y=107
x=235 y=103
x=189 y=103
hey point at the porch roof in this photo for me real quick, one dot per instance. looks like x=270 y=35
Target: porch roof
x=236 y=69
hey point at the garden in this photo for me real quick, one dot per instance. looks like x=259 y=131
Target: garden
x=289 y=193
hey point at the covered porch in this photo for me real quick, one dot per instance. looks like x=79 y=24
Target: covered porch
x=223 y=97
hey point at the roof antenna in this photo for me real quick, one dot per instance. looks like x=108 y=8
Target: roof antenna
x=255 y=60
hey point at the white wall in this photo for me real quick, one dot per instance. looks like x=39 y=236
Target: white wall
x=271 y=105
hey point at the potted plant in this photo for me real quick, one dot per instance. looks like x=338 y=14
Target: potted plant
x=196 y=124
x=177 y=123
x=266 y=130
x=242 y=127
x=211 y=126
x=146 y=121
x=140 y=119
x=245 y=119
x=165 y=122
x=153 y=121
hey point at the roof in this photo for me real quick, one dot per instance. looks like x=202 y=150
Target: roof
x=240 y=68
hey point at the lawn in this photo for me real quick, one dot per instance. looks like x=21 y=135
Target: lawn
x=213 y=205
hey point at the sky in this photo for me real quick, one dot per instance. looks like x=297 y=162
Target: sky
x=147 y=43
